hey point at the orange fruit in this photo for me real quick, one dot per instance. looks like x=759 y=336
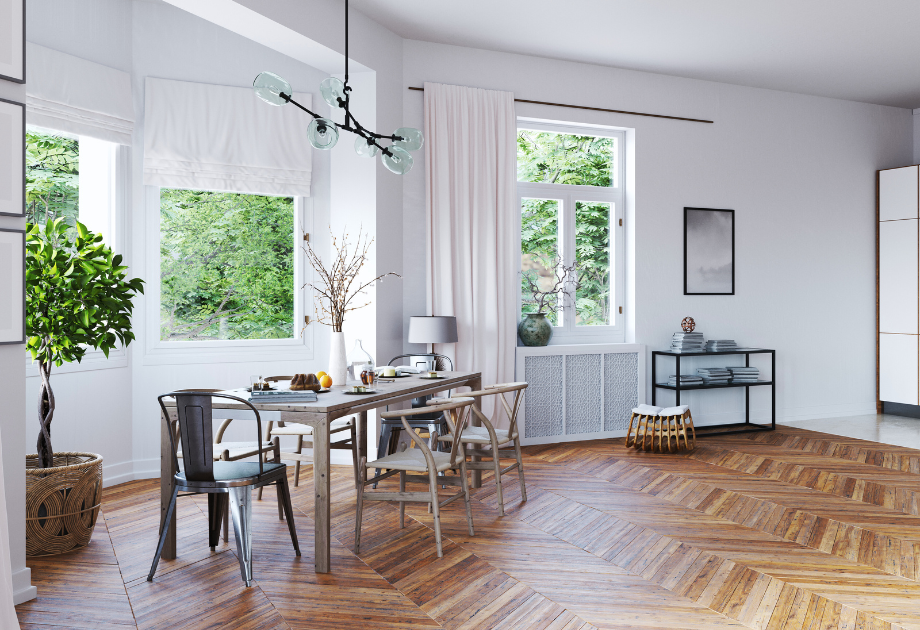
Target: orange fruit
x=320 y=374
x=325 y=380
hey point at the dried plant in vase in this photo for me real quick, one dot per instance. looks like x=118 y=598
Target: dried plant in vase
x=534 y=329
x=340 y=290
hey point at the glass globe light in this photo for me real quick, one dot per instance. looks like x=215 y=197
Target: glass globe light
x=269 y=86
x=322 y=133
x=365 y=148
x=332 y=90
x=412 y=139
x=400 y=162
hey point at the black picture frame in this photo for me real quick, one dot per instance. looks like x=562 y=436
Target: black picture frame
x=21 y=134
x=692 y=219
x=22 y=296
x=16 y=31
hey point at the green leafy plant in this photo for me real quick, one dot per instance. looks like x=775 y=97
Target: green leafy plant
x=78 y=296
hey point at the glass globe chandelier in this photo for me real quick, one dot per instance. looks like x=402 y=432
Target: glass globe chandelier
x=323 y=133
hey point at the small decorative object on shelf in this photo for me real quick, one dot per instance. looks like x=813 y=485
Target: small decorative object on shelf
x=688 y=325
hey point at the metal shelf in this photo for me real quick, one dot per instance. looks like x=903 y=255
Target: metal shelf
x=685 y=388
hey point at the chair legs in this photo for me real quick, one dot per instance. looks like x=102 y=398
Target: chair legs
x=497 y=464
x=359 y=511
x=520 y=463
x=217 y=511
x=284 y=490
x=164 y=530
x=402 y=504
x=241 y=512
x=464 y=483
x=435 y=509
x=299 y=451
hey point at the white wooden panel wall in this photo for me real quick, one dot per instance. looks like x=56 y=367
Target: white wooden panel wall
x=898 y=193
x=899 y=289
x=898 y=371
x=898 y=276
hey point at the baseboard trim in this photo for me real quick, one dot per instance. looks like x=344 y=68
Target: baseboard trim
x=23 y=590
x=900 y=409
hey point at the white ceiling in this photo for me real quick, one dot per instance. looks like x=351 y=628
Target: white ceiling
x=862 y=50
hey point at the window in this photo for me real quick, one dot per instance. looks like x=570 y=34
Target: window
x=73 y=177
x=570 y=184
x=227 y=266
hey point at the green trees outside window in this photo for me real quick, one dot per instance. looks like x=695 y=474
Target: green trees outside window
x=52 y=178
x=573 y=160
x=226 y=266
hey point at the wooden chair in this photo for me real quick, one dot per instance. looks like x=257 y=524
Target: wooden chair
x=488 y=435
x=425 y=461
x=223 y=481
x=304 y=435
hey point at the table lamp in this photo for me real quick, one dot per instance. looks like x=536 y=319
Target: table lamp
x=431 y=329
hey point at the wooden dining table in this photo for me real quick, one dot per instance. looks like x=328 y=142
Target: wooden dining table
x=318 y=415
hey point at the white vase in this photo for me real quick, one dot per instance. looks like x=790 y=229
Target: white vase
x=337 y=362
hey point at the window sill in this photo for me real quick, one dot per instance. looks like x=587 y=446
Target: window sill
x=584 y=337
x=242 y=351
x=92 y=360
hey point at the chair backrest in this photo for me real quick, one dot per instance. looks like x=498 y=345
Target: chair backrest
x=511 y=409
x=441 y=361
x=195 y=414
x=457 y=413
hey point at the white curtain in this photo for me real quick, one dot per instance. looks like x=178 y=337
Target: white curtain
x=8 y=620
x=214 y=137
x=70 y=94
x=471 y=173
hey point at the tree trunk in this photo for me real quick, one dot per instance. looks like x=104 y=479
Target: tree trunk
x=45 y=415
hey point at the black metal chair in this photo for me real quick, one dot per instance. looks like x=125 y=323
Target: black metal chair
x=434 y=423
x=223 y=481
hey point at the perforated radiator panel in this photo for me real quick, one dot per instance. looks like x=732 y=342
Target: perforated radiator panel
x=577 y=394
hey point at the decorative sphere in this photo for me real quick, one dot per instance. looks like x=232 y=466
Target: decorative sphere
x=688 y=324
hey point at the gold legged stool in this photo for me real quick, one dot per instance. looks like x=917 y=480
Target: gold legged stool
x=660 y=430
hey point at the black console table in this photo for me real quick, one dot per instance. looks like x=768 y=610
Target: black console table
x=722 y=429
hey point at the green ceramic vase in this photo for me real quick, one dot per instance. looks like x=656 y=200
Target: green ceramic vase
x=535 y=330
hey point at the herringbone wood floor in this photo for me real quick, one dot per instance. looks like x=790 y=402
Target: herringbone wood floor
x=792 y=529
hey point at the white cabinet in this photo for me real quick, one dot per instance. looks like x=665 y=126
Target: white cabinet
x=899 y=286
x=897 y=278
x=897 y=198
x=898 y=368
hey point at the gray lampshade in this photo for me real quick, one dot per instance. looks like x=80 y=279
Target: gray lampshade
x=432 y=329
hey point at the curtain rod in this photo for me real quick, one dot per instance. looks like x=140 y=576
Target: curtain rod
x=597 y=109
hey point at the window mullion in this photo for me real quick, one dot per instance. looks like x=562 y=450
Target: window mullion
x=569 y=258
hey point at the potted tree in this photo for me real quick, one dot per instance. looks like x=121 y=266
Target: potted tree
x=78 y=296
x=546 y=291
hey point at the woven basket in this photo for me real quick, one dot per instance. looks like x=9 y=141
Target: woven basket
x=62 y=503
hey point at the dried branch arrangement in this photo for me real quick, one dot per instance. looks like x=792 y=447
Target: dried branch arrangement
x=339 y=284
x=564 y=285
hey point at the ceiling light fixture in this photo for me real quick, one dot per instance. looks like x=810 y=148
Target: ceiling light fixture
x=323 y=133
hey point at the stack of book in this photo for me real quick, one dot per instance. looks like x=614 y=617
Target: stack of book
x=687 y=342
x=721 y=345
x=744 y=374
x=686 y=380
x=714 y=376
x=282 y=396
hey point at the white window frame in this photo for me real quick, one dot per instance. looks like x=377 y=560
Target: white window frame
x=158 y=352
x=567 y=196
x=118 y=357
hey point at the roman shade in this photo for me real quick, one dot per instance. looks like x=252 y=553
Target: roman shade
x=214 y=137
x=77 y=96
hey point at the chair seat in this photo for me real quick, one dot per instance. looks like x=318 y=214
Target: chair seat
x=305 y=429
x=233 y=471
x=480 y=435
x=413 y=460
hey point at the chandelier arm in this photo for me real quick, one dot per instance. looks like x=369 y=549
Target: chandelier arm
x=293 y=102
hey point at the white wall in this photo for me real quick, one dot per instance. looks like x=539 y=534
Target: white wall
x=799 y=171
x=12 y=428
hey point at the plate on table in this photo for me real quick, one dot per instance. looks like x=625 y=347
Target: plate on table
x=397 y=376
x=324 y=391
x=351 y=393
x=432 y=378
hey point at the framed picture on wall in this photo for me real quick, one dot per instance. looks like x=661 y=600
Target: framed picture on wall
x=12 y=286
x=709 y=251
x=12 y=158
x=13 y=40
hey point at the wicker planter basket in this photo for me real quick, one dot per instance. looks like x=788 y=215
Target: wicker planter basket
x=62 y=503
